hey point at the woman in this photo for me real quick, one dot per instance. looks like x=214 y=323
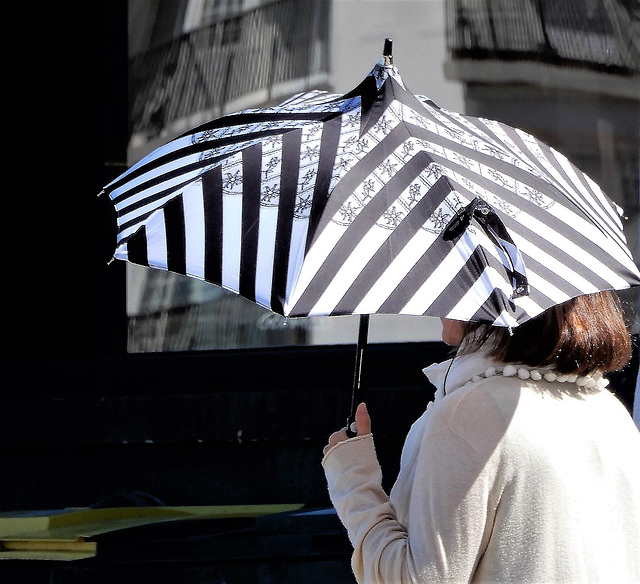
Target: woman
x=524 y=468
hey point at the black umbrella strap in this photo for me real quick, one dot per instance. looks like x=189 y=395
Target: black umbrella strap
x=496 y=230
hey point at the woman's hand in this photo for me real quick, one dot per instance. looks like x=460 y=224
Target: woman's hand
x=363 y=426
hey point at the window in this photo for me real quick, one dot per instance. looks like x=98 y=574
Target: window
x=565 y=75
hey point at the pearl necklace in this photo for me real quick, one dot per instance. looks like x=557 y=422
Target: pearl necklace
x=524 y=373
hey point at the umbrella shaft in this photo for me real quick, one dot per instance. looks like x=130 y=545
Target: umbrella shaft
x=356 y=392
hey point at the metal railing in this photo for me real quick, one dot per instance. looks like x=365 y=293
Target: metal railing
x=602 y=34
x=205 y=69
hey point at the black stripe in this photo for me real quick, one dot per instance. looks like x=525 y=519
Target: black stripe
x=417 y=275
x=212 y=203
x=251 y=181
x=362 y=169
x=398 y=240
x=203 y=162
x=137 y=247
x=472 y=271
x=258 y=117
x=590 y=207
x=175 y=234
x=557 y=225
x=495 y=302
x=365 y=220
x=328 y=149
x=478 y=130
x=573 y=198
x=286 y=207
x=564 y=257
x=197 y=146
x=452 y=291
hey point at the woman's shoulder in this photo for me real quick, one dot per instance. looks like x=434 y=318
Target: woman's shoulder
x=478 y=410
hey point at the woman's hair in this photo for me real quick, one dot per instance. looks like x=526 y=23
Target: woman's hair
x=583 y=335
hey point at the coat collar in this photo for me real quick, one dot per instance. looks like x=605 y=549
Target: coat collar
x=454 y=373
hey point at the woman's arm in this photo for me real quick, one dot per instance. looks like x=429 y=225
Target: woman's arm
x=448 y=525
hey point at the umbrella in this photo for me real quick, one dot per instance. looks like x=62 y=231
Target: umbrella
x=376 y=201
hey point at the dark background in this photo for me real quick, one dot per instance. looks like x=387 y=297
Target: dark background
x=84 y=424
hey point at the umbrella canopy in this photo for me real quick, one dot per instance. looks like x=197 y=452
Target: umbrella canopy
x=376 y=201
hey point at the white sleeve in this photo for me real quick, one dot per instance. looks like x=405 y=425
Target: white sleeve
x=448 y=526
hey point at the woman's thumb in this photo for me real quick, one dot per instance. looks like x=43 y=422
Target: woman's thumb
x=363 y=421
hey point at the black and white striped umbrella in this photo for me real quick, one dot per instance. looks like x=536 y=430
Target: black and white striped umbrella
x=377 y=201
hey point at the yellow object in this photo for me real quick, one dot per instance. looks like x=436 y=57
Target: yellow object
x=66 y=534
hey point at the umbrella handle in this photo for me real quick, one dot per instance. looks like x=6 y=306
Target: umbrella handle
x=387 y=53
x=356 y=392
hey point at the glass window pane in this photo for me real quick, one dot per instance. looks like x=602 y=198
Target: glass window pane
x=564 y=71
x=169 y=312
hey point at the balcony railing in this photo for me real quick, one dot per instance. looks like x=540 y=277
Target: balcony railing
x=212 y=66
x=597 y=35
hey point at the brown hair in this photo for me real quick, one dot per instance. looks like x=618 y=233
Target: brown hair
x=583 y=335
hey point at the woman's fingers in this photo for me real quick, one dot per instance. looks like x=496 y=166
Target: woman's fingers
x=336 y=437
x=363 y=426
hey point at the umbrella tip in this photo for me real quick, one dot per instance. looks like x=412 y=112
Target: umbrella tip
x=387 y=53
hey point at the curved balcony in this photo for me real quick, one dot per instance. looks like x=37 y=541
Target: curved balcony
x=595 y=35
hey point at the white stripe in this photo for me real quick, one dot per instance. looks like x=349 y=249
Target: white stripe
x=156 y=241
x=194 y=229
x=151 y=191
x=231 y=241
x=395 y=273
x=157 y=153
x=479 y=292
x=530 y=307
x=138 y=213
x=602 y=211
x=351 y=269
x=571 y=248
x=265 y=254
x=296 y=254
x=121 y=253
x=432 y=286
x=505 y=320
x=314 y=259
